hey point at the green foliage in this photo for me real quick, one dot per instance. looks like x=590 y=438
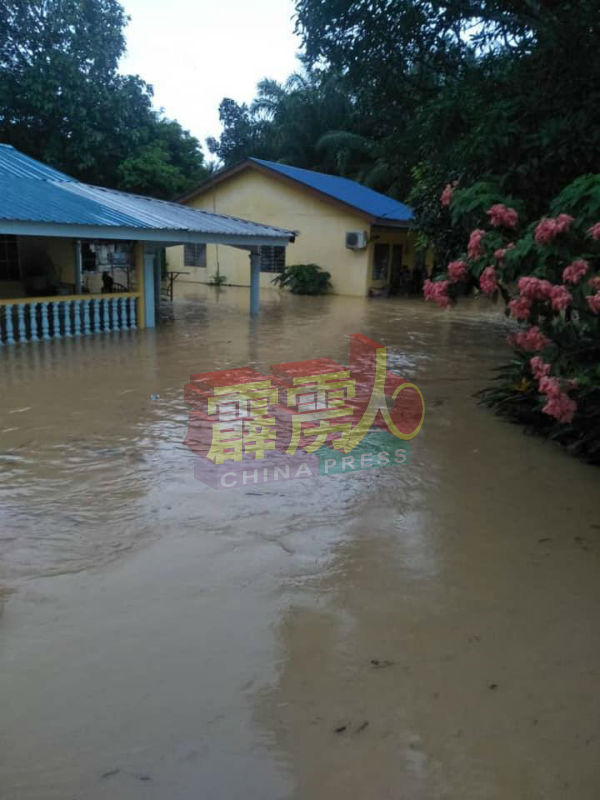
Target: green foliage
x=569 y=345
x=63 y=101
x=304 y=279
x=217 y=279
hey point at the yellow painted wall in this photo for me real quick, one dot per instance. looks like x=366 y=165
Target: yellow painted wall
x=322 y=229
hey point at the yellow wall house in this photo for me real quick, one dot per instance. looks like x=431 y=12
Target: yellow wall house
x=79 y=260
x=361 y=237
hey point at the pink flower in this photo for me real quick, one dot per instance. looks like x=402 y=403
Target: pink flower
x=549 y=386
x=549 y=228
x=575 y=271
x=595 y=282
x=560 y=298
x=593 y=301
x=520 y=307
x=530 y=340
x=488 y=281
x=535 y=288
x=560 y=406
x=446 y=196
x=503 y=217
x=475 y=248
x=563 y=223
x=437 y=292
x=594 y=231
x=539 y=367
x=457 y=270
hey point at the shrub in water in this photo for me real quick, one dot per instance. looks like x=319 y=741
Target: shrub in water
x=548 y=274
x=304 y=279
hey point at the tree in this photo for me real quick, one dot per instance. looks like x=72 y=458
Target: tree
x=473 y=87
x=63 y=101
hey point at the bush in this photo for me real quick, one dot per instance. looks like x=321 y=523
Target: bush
x=304 y=279
x=548 y=274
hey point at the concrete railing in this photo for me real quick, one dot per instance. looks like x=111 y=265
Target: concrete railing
x=35 y=319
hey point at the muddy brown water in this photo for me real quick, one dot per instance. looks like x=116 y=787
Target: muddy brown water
x=423 y=632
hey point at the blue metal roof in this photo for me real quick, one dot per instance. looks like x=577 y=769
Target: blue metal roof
x=31 y=193
x=346 y=191
x=13 y=162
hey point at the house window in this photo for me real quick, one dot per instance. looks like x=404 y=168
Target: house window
x=272 y=259
x=194 y=255
x=9 y=258
x=381 y=257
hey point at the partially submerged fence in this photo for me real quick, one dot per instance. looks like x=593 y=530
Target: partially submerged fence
x=35 y=319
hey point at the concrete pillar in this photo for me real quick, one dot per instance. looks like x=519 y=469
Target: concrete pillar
x=78 y=266
x=149 y=290
x=254 y=283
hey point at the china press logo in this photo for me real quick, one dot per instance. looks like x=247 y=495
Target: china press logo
x=304 y=419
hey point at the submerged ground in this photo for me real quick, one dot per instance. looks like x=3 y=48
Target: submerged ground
x=425 y=632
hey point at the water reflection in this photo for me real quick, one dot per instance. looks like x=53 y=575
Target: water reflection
x=423 y=632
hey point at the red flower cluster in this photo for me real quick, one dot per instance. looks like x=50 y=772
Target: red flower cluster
x=593 y=301
x=475 y=248
x=520 y=307
x=531 y=340
x=549 y=228
x=559 y=405
x=535 y=288
x=575 y=271
x=539 y=367
x=488 y=281
x=457 y=271
x=560 y=298
x=437 y=292
x=503 y=217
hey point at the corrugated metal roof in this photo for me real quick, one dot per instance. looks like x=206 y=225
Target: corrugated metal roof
x=346 y=191
x=13 y=162
x=33 y=193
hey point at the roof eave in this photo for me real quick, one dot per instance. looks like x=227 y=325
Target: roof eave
x=382 y=222
x=162 y=235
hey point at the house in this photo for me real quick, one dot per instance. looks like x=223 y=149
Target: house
x=363 y=238
x=77 y=259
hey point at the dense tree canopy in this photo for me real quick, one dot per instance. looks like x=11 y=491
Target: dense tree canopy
x=407 y=95
x=62 y=99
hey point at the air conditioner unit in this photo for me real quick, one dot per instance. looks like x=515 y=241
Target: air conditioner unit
x=356 y=240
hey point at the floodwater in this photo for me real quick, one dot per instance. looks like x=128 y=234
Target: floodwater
x=428 y=631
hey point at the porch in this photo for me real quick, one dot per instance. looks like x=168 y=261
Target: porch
x=77 y=260
x=52 y=288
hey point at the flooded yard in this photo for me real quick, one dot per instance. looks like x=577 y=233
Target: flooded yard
x=428 y=631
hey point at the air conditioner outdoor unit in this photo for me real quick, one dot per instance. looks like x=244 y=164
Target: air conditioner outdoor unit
x=356 y=240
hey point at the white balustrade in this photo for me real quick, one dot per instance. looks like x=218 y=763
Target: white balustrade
x=55 y=318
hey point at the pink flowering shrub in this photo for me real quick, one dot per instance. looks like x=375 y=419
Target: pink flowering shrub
x=547 y=272
x=503 y=217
